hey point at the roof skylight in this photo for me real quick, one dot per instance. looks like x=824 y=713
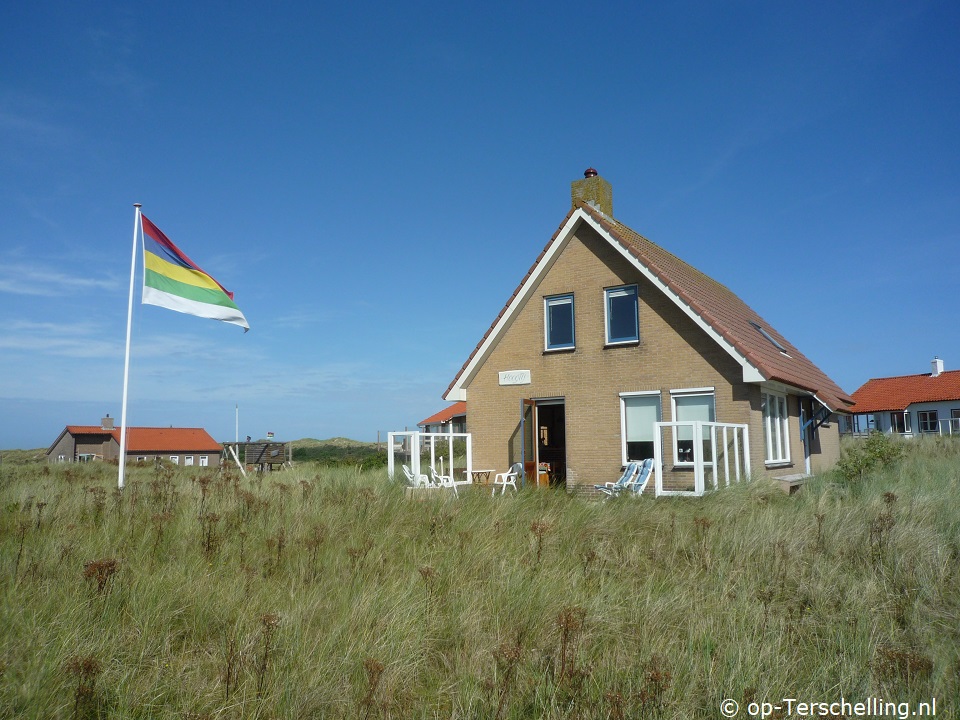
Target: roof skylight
x=768 y=336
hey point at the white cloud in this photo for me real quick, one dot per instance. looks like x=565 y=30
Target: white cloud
x=24 y=279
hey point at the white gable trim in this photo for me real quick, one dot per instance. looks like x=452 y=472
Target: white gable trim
x=458 y=390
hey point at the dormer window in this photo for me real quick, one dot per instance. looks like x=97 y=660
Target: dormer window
x=763 y=331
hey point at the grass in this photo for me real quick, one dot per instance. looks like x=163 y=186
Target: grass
x=323 y=592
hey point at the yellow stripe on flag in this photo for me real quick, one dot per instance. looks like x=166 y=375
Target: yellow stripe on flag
x=181 y=274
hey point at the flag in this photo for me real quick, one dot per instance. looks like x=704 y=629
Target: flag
x=174 y=281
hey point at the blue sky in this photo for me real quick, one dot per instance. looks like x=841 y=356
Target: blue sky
x=372 y=180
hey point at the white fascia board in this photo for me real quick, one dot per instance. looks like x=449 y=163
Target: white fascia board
x=751 y=374
x=458 y=391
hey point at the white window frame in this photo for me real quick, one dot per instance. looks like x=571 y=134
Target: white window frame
x=553 y=300
x=188 y=460
x=684 y=393
x=203 y=461
x=621 y=291
x=924 y=424
x=624 y=396
x=776 y=427
x=175 y=459
x=141 y=458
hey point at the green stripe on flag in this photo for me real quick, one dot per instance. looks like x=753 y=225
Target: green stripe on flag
x=190 y=292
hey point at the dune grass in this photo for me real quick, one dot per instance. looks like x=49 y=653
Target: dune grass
x=326 y=593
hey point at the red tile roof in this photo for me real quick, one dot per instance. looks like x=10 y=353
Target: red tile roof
x=455 y=410
x=896 y=393
x=151 y=439
x=716 y=305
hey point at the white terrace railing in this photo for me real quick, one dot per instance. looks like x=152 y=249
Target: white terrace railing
x=408 y=445
x=722 y=446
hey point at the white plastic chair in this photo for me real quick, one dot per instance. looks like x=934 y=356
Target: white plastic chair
x=420 y=480
x=507 y=478
x=612 y=489
x=639 y=483
x=443 y=481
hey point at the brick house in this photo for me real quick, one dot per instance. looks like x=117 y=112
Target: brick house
x=608 y=335
x=181 y=446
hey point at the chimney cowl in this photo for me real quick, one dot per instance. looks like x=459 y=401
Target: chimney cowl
x=590 y=172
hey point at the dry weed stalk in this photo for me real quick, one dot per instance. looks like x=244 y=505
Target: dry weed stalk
x=231 y=667
x=539 y=528
x=268 y=624
x=101 y=571
x=374 y=669
x=85 y=669
x=507 y=657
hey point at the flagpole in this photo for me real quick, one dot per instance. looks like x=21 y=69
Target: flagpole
x=126 y=357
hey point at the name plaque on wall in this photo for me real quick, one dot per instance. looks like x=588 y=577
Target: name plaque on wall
x=515 y=377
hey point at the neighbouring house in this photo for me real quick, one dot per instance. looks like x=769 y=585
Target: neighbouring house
x=908 y=405
x=181 y=446
x=612 y=349
x=452 y=419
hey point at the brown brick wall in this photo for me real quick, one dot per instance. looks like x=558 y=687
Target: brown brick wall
x=673 y=353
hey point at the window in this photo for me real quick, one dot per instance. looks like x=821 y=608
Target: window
x=638 y=413
x=175 y=459
x=621 y=315
x=141 y=458
x=691 y=406
x=188 y=459
x=558 y=322
x=900 y=422
x=776 y=427
x=772 y=340
x=927 y=421
x=203 y=461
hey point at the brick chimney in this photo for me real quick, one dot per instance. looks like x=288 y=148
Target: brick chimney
x=106 y=423
x=594 y=191
x=936 y=366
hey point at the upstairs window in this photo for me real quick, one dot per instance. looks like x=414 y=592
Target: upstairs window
x=558 y=322
x=621 y=315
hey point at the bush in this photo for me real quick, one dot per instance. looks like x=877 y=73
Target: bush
x=876 y=452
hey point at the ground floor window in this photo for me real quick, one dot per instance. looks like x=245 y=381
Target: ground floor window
x=900 y=422
x=175 y=459
x=776 y=428
x=188 y=460
x=689 y=406
x=927 y=421
x=141 y=458
x=638 y=413
x=203 y=461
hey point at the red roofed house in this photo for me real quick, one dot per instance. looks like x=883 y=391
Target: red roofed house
x=181 y=446
x=909 y=404
x=608 y=334
x=452 y=419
